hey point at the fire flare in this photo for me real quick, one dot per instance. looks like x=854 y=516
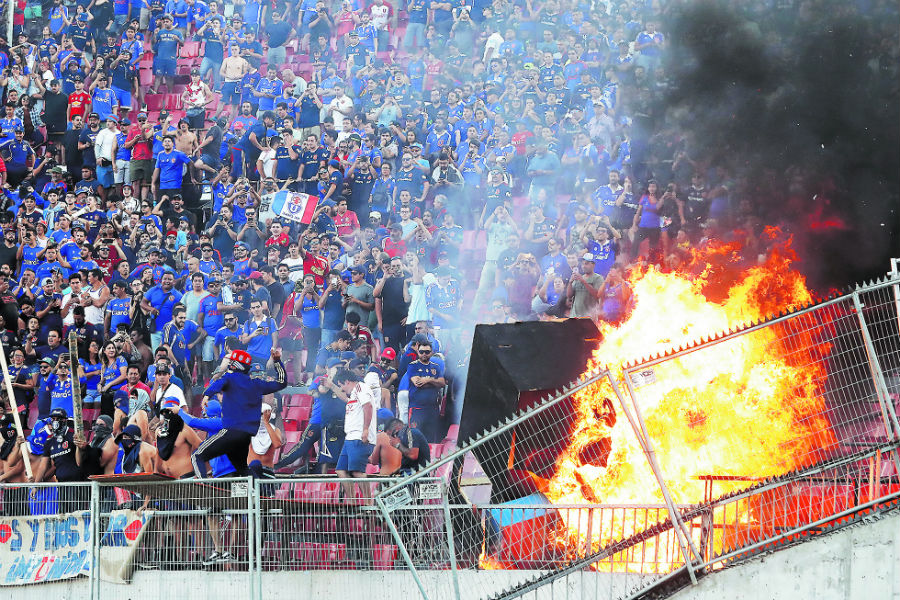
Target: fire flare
x=748 y=407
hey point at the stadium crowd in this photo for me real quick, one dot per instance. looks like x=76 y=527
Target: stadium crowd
x=453 y=163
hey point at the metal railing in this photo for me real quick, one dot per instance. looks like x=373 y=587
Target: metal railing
x=820 y=444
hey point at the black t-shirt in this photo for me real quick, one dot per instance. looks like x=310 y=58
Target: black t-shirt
x=8 y=256
x=393 y=307
x=277 y=298
x=213 y=147
x=61 y=450
x=55 y=112
x=278 y=33
x=413 y=438
x=73 y=154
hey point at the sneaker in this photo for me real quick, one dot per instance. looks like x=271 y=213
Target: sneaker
x=217 y=558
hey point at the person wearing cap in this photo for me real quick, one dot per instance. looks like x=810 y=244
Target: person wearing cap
x=105 y=153
x=19 y=157
x=167 y=40
x=86 y=141
x=103 y=100
x=194 y=99
x=79 y=101
x=583 y=289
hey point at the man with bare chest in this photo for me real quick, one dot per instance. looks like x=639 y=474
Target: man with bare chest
x=175 y=442
x=264 y=444
x=233 y=69
x=185 y=139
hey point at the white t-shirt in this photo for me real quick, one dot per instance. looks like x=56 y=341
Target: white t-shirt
x=174 y=391
x=340 y=108
x=354 y=417
x=379 y=15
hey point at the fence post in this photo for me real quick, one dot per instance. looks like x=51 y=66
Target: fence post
x=681 y=532
x=386 y=515
x=256 y=517
x=451 y=545
x=891 y=427
x=94 y=581
x=252 y=535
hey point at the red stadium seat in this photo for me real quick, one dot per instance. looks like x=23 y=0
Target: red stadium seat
x=190 y=50
x=155 y=102
x=146 y=78
x=292 y=437
x=173 y=101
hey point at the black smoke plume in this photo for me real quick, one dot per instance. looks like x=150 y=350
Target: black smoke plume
x=802 y=101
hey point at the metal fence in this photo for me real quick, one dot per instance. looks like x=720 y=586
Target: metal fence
x=758 y=436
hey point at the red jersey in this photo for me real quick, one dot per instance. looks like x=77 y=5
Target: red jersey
x=315 y=266
x=393 y=248
x=346 y=223
x=142 y=150
x=78 y=102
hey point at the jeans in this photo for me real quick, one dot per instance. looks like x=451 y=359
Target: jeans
x=414 y=36
x=207 y=65
x=277 y=56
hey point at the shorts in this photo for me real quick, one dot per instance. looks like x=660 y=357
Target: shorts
x=209 y=349
x=354 y=456
x=231 y=92
x=211 y=161
x=123 y=175
x=105 y=176
x=141 y=169
x=164 y=67
x=123 y=96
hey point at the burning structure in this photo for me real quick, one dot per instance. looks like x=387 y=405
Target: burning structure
x=713 y=443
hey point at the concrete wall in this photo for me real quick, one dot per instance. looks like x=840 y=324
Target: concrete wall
x=859 y=563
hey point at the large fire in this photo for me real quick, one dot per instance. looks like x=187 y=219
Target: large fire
x=749 y=407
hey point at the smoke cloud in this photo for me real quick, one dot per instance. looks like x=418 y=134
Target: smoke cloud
x=800 y=105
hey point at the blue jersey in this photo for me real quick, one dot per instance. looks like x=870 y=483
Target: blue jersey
x=224 y=333
x=426 y=396
x=103 y=102
x=113 y=370
x=171 y=168
x=212 y=316
x=164 y=302
x=261 y=345
x=174 y=338
x=268 y=86
x=61 y=393
x=118 y=310
x=242 y=397
x=445 y=301
x=167 y=41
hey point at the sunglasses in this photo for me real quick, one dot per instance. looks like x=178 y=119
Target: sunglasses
x=424 y=351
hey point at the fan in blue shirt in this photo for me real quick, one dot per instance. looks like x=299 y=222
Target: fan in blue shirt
x=169 y=166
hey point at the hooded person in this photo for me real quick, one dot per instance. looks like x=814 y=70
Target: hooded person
x=100 y=454
x=15 y=499
x=170 y=425
x=211 y=423
x=8 y=436
x=241 y=405
x=46 y=499
x=134 y=455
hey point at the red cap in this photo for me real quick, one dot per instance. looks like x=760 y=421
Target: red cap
x=240 y=356
x=389 y=353
x=254 y=275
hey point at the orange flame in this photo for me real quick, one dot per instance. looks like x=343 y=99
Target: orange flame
x=748 y=407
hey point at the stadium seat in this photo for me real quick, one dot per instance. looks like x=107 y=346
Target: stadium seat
x=436 y=451
x=383 y=556
x=292 y=437
x=173 y=101
x=155 y=102
x=190 y=50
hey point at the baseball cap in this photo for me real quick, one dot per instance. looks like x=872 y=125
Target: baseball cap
x=163 y=370
x=132 y=431
x=358 y=269
x=389 y=353
x=254 y=275
x=374 y=215
x=588 y=257
x=112 y=118
x=163 y=114
x=46 y=281
x=93 y=114
x=356 y=362
x=48 y=361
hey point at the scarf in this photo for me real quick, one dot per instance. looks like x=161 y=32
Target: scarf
x=170 y=425
x=101 y=433
x=131 y=460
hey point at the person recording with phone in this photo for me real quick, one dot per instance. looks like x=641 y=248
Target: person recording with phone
x=260 y=333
